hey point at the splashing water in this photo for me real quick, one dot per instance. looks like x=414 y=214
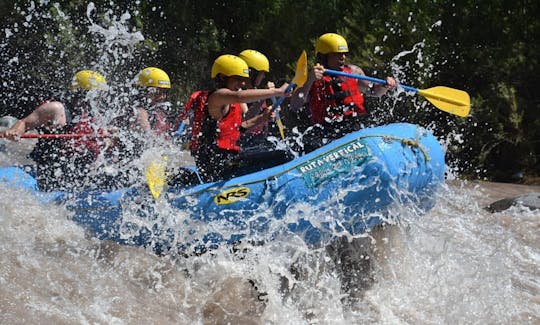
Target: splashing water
x=458 y=264
x=455 y=264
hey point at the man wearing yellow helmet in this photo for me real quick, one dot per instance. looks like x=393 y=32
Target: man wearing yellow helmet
x=61 y=163
x=217 y=131
x=259 y=66
x=154 y=109
x=336 y=104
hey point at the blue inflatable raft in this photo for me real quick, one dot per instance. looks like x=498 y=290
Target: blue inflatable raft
x=343 y=187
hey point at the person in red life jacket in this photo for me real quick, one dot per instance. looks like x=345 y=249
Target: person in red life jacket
x=154 y=111
x=217 y=152
x=63 y=163
x=336 y=104
x=259 y=66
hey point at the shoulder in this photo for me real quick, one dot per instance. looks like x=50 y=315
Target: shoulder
x=141 y=111
x=217 y=96
x=220 y=91
x=51 y=106
x=50 y=110
x=355 y=69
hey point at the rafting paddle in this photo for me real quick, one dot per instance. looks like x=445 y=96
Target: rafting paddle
x=156 y=177
x=57 y=136
x=300 y=77
x=278 y=120
x=446 y=99
x=155 y=172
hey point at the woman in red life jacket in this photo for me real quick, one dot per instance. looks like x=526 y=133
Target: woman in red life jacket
x=336 y=104
x=153 y=113
x=218 y=154
x=259 y=66
x=64 y=163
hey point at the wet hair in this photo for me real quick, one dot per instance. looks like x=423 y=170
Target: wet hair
x=253 y=73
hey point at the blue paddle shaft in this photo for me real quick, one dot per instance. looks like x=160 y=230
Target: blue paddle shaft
x=280 y=99
x=180 y=129
x=362 y=77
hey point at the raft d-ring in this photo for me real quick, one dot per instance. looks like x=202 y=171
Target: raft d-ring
x=410 y=142
x=387 y=139
x=416 y=144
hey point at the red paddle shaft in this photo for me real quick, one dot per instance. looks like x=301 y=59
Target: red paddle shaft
x=56 y=136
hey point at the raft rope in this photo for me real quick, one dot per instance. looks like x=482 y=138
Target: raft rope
x=414 y=143
x=386 y=138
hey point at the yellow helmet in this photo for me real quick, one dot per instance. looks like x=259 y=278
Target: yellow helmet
x=255 y=60
x=230 y=65
x=88 y=79
x=154 y=77
x=331 y=43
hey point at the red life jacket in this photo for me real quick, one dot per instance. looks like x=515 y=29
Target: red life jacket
x=229 y=128
x=159 y=122
x=224 y=133
x=194 y=108
x=84 y=126
x=334 y=98
x=44 y=148
x=261 y=128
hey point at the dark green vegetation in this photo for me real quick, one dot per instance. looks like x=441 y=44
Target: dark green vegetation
x=487 y=48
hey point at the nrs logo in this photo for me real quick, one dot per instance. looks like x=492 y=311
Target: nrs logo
x=232 y=195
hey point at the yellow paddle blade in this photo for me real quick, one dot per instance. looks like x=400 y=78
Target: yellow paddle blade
x=301 y=74
x=155 y=177
x=280 y=127
x=447 y=99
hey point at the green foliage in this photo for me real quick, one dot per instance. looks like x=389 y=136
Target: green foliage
x=493 y=46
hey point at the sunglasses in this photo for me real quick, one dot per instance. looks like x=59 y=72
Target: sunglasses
x=156 y=91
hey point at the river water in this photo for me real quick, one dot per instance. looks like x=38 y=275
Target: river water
x=458 y=264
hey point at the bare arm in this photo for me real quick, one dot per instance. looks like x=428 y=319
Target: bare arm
x=219 y=100
x=51 y=115
x=300 y=96
x=143 y=119
x=375 y=90
x=256 y=120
